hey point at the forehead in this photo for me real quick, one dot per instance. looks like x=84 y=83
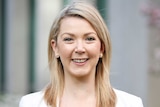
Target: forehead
x=75 y=23
x=71 y=19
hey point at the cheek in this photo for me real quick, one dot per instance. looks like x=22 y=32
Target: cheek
x=95 y=50
x=98 y=46
x=65 y=50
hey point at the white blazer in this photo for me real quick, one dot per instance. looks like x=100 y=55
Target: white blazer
x=123 y=100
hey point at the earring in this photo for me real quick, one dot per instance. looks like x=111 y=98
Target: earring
x=101 y=55
x=57 y=56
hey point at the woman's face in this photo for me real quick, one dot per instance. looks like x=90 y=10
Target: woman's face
x=78 y=46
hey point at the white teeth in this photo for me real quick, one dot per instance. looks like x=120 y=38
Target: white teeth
x=79 y=60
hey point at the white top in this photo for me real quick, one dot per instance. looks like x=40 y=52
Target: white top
x=123 y=100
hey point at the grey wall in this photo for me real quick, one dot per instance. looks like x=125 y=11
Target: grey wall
x=17 y=46
x=129 y=37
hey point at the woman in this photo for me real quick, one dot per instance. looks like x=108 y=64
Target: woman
x=79 y=52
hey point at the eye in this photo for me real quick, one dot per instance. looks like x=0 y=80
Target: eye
x=68 y=40
x=90 y=38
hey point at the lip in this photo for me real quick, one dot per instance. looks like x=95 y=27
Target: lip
x=80 y=61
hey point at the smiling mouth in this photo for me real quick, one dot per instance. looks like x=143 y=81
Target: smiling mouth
x=80 y=60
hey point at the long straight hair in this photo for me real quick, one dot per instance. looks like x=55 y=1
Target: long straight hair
x=105 y=94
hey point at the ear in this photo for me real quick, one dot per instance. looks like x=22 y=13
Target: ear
x=54 y=47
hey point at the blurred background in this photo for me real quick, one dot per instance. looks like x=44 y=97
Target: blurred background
x=134 y=26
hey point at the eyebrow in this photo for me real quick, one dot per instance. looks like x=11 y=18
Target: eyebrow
x=85 y=34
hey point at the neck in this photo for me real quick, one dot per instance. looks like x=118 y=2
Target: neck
x=80 y=88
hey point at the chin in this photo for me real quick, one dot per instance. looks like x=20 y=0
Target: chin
x=81 y=74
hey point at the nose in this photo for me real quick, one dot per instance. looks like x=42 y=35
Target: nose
x=79 y=47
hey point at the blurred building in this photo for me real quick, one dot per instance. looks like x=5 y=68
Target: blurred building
x=24 y=31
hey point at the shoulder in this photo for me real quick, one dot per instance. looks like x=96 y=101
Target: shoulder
x=125 y=99
x=33 y=100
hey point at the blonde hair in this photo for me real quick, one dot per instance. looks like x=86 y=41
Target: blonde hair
x=104 y=92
